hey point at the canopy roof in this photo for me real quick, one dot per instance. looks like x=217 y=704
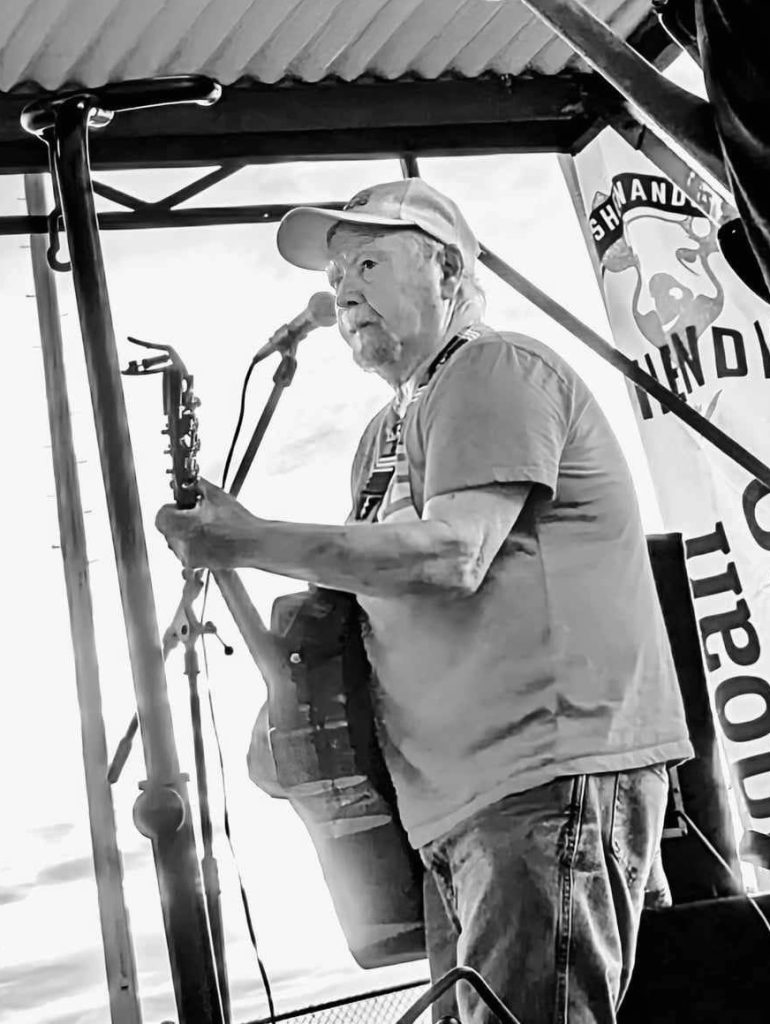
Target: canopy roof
x=312 y=78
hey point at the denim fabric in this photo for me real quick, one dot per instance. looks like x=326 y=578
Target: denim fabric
x=543 y=892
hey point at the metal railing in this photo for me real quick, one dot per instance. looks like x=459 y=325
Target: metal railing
x=383 y=1006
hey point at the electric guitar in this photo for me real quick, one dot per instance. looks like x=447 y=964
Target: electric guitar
x=321 y=724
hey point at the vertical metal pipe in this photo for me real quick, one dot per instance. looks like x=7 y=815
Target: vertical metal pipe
x=162 y=812
x=116 y=934
x=71 y=141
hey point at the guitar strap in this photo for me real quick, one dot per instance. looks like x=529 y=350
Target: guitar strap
x=374 y=490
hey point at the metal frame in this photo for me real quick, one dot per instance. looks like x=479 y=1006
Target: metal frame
x=162 y=811
x=263 y=124
x=119 y=957
x=491 y=116
x=367 y=118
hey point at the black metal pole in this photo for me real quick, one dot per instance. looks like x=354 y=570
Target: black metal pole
x=162 y=811
x=449 y=980
x=119 y=959
x=211 y=887
x=282 y=378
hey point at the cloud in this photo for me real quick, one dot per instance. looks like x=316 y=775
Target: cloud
x=67 y=871
x=12 y=894
x=30 y=985
x=54 y=832
x=78 y=868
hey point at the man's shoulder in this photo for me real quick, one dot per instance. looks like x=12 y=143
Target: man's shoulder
x=487 y=343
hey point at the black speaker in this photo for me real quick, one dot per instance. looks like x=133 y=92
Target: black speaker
x=701 y=963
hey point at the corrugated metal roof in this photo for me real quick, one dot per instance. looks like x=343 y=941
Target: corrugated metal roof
x=56 y=44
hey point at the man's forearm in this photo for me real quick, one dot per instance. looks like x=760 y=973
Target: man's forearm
x=383 y=560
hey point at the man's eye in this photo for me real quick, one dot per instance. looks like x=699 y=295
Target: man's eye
x=368 y=264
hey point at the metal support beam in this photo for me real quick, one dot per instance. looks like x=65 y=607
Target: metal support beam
x=119 y=959
x=337 y=121
x=201 y=185
x=697 y=190
x=661 y=104
x=726 y=444
x=162 y=812
x=154 y=217
x=116 y=195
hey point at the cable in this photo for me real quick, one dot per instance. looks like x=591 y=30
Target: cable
x=225 y=811
x=228 y=835
x=712 y=849
x=228 y=461
x=239 y=423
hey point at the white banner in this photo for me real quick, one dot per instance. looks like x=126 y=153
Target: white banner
x=676 y=308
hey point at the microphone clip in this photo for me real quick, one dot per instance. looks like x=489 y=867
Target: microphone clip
x=284 y=341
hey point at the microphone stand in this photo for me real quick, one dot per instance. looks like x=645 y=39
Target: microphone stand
x=282 y=378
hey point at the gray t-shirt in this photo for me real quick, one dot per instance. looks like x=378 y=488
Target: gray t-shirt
x=559 y=664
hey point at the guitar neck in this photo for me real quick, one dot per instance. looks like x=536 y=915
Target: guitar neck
x=262 y=645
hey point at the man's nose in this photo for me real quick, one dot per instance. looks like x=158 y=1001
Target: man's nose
x=348 y=292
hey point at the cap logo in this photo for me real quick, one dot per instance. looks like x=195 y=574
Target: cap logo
x=360 y=199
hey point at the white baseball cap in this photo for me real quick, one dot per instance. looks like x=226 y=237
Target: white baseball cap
x=407 y=203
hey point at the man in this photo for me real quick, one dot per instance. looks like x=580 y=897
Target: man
x=525 y=689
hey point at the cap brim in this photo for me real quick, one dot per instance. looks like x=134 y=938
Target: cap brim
x=301 y=237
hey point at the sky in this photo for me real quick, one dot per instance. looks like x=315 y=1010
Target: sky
x=216 y=294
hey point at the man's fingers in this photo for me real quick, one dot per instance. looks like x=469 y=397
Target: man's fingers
x=211 y=493
x=162 y=519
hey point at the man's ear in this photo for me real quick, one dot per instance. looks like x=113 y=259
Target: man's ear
x=452 y=267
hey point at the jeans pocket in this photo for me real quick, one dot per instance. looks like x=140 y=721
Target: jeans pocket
x=637 y=819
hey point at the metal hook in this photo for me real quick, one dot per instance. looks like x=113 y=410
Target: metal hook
x=54 y=235
x=54 y=242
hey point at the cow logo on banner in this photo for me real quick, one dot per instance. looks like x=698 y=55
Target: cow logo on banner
x=677 y=309
x=643 y=214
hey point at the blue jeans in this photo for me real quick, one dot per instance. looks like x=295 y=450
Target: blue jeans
x=542 y=894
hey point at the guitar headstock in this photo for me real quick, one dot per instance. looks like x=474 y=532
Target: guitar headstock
x=179 y=407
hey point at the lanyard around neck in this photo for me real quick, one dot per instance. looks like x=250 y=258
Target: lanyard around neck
x=373 y=492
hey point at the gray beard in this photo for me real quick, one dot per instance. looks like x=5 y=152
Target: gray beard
x=378 y=353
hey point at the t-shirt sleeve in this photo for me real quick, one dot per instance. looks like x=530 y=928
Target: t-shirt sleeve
x=498 y=414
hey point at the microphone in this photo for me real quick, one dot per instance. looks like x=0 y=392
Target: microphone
x=321 y=311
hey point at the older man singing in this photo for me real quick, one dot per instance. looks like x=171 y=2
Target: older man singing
x=526 y=693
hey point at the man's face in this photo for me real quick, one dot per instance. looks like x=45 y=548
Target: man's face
x=390 y=307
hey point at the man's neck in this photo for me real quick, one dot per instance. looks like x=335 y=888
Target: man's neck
x=404 y=391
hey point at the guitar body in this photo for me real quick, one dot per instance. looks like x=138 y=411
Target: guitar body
x=329 y=763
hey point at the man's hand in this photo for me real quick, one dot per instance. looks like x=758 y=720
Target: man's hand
x=208 y=535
